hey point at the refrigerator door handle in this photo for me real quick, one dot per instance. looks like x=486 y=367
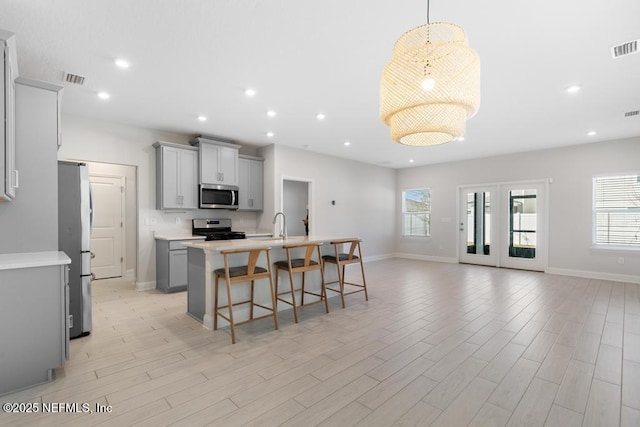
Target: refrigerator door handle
x=91 y=212
x=86 y=304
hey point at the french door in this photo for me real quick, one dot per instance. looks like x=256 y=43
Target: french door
x=504 y=225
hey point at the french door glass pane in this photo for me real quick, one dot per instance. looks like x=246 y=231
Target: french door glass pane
x=471 y=222
x=478 y=223
x=522 y=223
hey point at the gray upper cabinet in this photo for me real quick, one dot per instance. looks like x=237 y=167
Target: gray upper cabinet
x=8 y=74
x=250 y=181
x=176 y=176
x=218 y=162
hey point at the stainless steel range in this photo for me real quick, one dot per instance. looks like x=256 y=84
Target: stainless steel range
x=215 y=229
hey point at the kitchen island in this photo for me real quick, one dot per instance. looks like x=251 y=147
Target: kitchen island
x=205 y=257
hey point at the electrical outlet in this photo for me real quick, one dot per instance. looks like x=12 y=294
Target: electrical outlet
x=620 y=260
x=178 y=220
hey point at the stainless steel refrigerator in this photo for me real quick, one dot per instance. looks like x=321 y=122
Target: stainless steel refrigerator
x=75 y=218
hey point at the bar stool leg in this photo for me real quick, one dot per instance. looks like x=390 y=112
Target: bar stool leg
x=340 y=281
x=324 y=289
x=251 y=306
x=276 y=287
x=231 y=322
x=274 y=303
x=364 y=281
x=215 y=305
x=293 y=297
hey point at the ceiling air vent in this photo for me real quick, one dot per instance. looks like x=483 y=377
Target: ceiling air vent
x=73 y=78
x=624 y=49
x=632 y=113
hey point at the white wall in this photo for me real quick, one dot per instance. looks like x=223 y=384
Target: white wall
x=571 y=169
x=364 y=195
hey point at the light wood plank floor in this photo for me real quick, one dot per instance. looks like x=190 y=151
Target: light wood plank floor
x=437 y=344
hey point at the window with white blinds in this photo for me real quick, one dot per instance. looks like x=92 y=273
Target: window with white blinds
x=616 y=210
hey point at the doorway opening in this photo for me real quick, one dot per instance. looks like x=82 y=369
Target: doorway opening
x=114 y=244
x=296 y=205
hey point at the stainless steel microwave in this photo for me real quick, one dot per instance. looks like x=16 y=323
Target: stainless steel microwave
x=218 y=196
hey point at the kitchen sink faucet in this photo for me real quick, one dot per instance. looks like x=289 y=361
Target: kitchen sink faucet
x=283 y=230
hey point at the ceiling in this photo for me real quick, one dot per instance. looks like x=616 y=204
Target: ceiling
x=302 y=57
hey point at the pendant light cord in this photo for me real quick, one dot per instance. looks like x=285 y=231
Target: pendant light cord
x=428 y=22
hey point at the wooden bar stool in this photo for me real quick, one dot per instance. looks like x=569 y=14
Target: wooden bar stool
x=244 y=273
x=341 y=260
x=301 y=265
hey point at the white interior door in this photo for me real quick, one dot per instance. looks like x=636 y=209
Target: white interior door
x=108 y=229
x=504 y=225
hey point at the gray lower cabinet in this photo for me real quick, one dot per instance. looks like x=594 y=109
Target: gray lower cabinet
x=34 y=329
x=171 y=266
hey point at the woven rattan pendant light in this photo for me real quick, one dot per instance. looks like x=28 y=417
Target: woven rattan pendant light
x=431 y=85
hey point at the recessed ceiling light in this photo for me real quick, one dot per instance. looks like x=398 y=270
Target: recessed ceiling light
x=591 y=133
x=411 y=161
x=573 y=89
x=103 y=95
x=250 y=92
x=270 y=134
x=271 y=113
x=122 y=63
x=320 y=116
x=202 y=118
x=347 y=143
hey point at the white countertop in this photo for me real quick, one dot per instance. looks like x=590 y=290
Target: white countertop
x=257 y=234
x=176 y=236
x=33 y=259
x=184 y=236
x=267 y=242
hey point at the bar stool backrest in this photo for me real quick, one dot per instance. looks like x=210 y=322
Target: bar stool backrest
x=252 y=261
x=310 y=248
x=351 y=255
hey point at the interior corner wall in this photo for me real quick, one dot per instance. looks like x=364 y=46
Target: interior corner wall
x=364 y=197
x=569 y=202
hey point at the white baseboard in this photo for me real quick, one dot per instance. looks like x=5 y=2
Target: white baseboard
x=427 y=258
x=627 y=278
x=145 y=286
x=377 y=258
x=130 y=274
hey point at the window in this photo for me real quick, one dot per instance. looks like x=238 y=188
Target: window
x=616 y=211
x=416 y=213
